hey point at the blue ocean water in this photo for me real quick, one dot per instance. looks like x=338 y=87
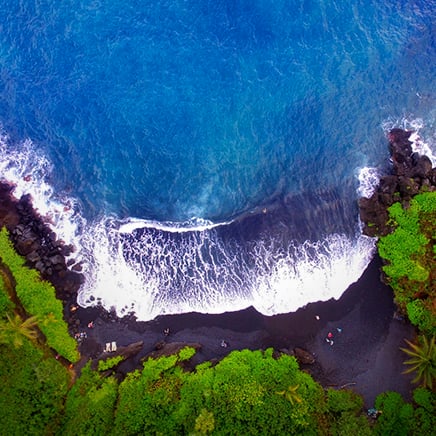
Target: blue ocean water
x=208 y=151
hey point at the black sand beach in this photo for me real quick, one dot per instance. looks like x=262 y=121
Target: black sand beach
x=366 y=335
x=362 y=353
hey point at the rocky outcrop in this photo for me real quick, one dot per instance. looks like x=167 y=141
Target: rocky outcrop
x=170 y=348
x=126 y=352
x=411 y=173
x=33 y=239
x=303 y=356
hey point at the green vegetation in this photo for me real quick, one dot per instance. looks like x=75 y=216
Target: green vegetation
x=247 y=392
x=109 y=363
x=38 y=298
x=33 y=389
x=89 y=408
x=14 y=330
x=238 y=396
x=6 y=304
x=401 y=418
x=422 y=360
x=411 y=254
x=345 y=413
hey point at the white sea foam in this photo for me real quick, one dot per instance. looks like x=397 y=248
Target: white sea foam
x=369 y=178
x=417 y=125
x=155 y=268
x=314 y=271
x=194 y=224
x=159 y=272
x=28 y=170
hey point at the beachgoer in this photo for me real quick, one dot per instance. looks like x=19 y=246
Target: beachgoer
x=330 y=335
x=91 y=325
x=224 y=344
x=166 y=331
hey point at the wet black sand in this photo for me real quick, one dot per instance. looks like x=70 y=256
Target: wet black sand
x=366 y=336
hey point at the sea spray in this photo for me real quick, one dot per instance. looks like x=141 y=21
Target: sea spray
x=153 y=271
x=416 y=125
x=29 y=171
x=151 y=268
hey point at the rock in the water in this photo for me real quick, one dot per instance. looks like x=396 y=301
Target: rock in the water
x=411 y=174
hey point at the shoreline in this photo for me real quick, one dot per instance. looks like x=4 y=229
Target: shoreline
x=365 y=353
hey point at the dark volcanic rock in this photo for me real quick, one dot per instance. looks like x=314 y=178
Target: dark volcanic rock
x=170 y=348
x=33 y=239
x=411 y=174
x=303 y=356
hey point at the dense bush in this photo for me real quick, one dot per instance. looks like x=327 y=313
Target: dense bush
x=240 y=395
x=410 y=255
x=89 y=409
x=38 y=298
x=32 y=391
x=345 y=413
x=401 y=418
x=424 y=414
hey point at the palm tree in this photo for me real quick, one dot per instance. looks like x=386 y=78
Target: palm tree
x=14 y=330
x=423 y=360
x=291 y=394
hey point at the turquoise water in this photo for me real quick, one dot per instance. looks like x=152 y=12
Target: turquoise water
x=160 y=120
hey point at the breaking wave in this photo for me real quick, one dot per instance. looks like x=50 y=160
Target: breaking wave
x=152 y=268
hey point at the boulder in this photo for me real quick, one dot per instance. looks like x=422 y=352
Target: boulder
x=422 y=166
x=303 y=356
x=411 y=174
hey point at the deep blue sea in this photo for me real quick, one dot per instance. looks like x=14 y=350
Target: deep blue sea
x=208 y=155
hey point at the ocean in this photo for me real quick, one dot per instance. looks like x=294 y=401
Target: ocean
x=209 y=155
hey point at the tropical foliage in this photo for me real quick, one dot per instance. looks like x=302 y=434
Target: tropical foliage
x=38 y=298
x=410 y=253
x=422 y=360
x=406 y=419
x=33 y=388
x=14 y=330
x=247 y=392
x=89 y=408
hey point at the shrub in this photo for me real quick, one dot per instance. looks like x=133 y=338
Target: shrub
x=109 y=363
x=420 y=316
x=33 y=388
x=339 y=401
x=422 y=360
x=424 y=416
x=397 y=416
x=90 y=404
x=410 y=254
x=38 y=298
x=240 y=395
x=345 y=413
